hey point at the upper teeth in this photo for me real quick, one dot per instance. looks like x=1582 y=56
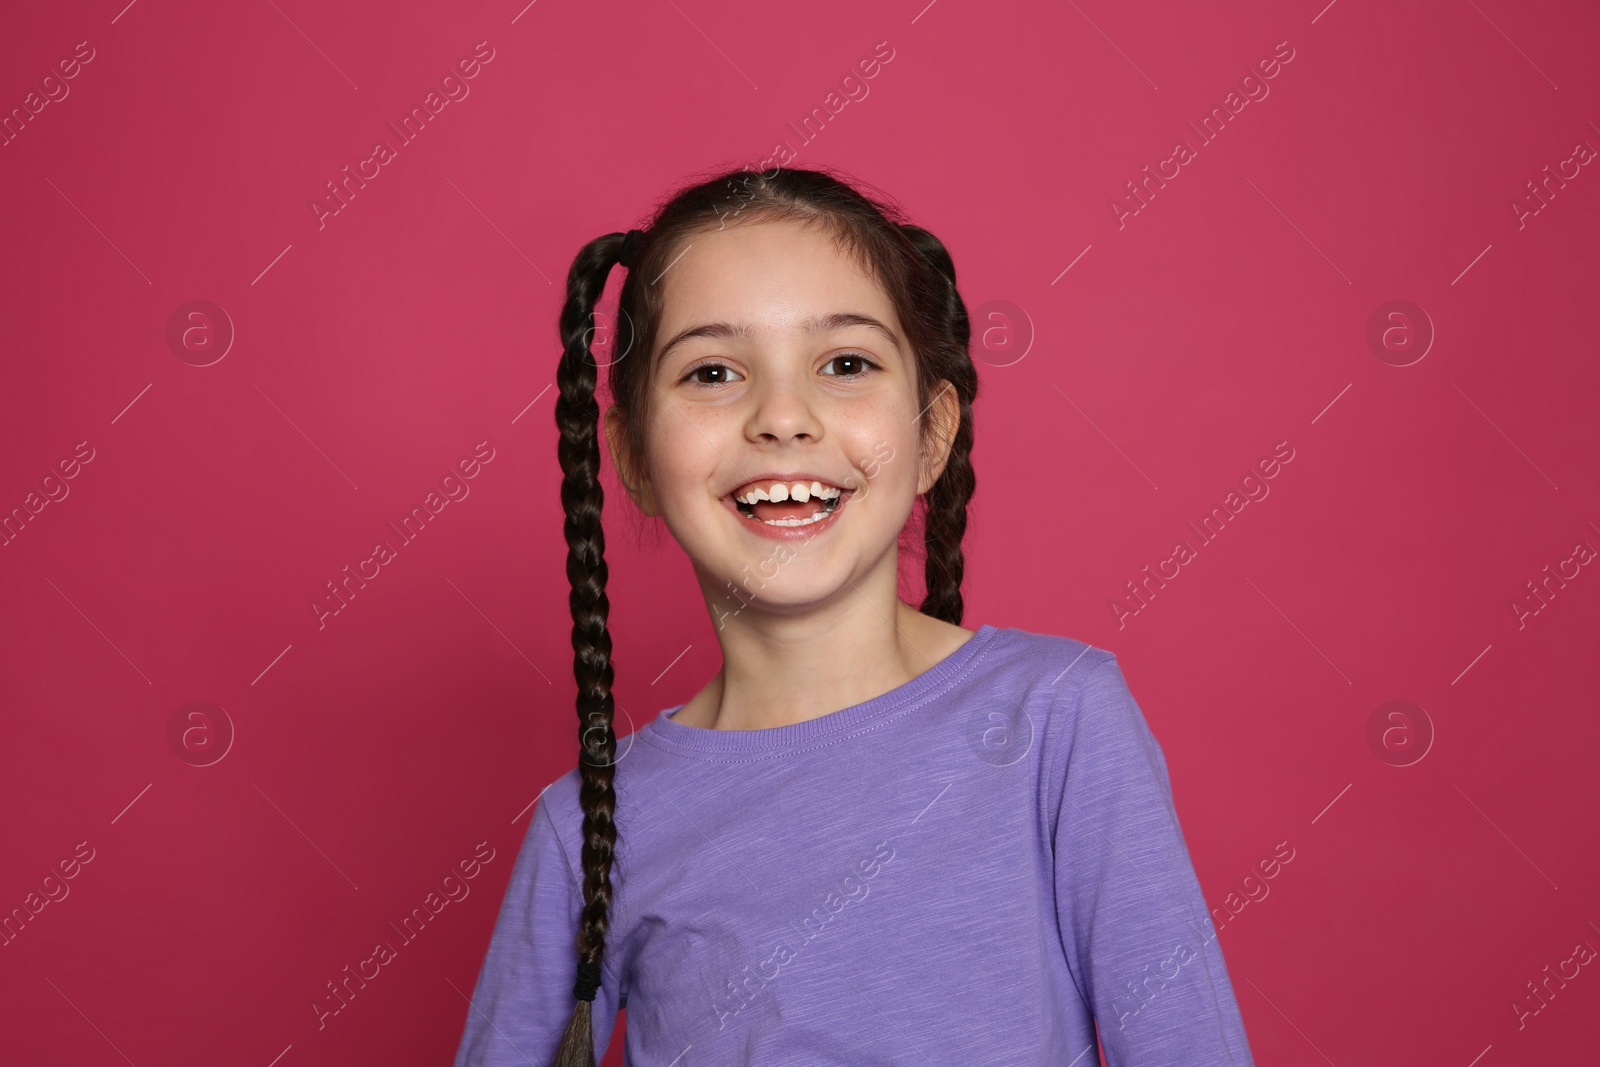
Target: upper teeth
x=777 y=491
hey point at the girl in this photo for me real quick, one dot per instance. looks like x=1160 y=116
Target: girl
x=875 y=836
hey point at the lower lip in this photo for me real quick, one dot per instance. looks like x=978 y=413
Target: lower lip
x=789 y=533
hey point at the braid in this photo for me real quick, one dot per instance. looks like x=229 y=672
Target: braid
x=945 y=521
x=578 y=416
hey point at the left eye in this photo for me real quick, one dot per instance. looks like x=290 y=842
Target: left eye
x=860 y=364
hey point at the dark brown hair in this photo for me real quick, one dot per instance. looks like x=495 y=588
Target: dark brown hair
x=916 y=273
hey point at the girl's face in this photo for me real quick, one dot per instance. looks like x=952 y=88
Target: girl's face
x=780 y=360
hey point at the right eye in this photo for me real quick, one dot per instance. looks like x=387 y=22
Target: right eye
x=691 y=376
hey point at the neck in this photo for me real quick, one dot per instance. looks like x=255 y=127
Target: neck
x=781 y=667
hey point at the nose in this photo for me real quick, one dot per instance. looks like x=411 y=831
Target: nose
x=782 y=408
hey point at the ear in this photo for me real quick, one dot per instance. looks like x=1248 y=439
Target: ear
x=943 y=420
x=626 y=462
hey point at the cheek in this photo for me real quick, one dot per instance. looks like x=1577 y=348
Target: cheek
x=890 y=455
x=682 y=453
x=880 y=455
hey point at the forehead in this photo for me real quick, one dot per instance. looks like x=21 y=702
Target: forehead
x=771 y=274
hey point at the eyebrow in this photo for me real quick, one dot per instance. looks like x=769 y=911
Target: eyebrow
x=829 y=323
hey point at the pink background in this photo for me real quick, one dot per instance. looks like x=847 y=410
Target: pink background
x=1131 y=393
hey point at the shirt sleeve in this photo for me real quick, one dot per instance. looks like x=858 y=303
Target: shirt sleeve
x=524 y=998
x=1133 y=919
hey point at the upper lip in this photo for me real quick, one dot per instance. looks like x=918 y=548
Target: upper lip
x=787 y=479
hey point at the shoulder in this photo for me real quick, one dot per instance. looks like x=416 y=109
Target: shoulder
x=1058 y=664
x=1043 y=674
x=556 y=823
x=1076 y=692
x=558 y=811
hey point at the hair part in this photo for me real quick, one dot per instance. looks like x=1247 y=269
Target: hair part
x=918 y=276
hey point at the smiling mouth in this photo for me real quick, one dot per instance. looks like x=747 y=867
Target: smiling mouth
x=790 y=512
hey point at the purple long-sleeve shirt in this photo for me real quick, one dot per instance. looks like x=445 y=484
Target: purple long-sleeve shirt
x=976 y=867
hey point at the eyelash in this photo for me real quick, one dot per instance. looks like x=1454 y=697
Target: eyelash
x=860 y=356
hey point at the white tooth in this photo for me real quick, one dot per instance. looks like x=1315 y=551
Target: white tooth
x=816 y=489
x=758 y=493
x=800 y=491
x=816 y=516
x=779 y=492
